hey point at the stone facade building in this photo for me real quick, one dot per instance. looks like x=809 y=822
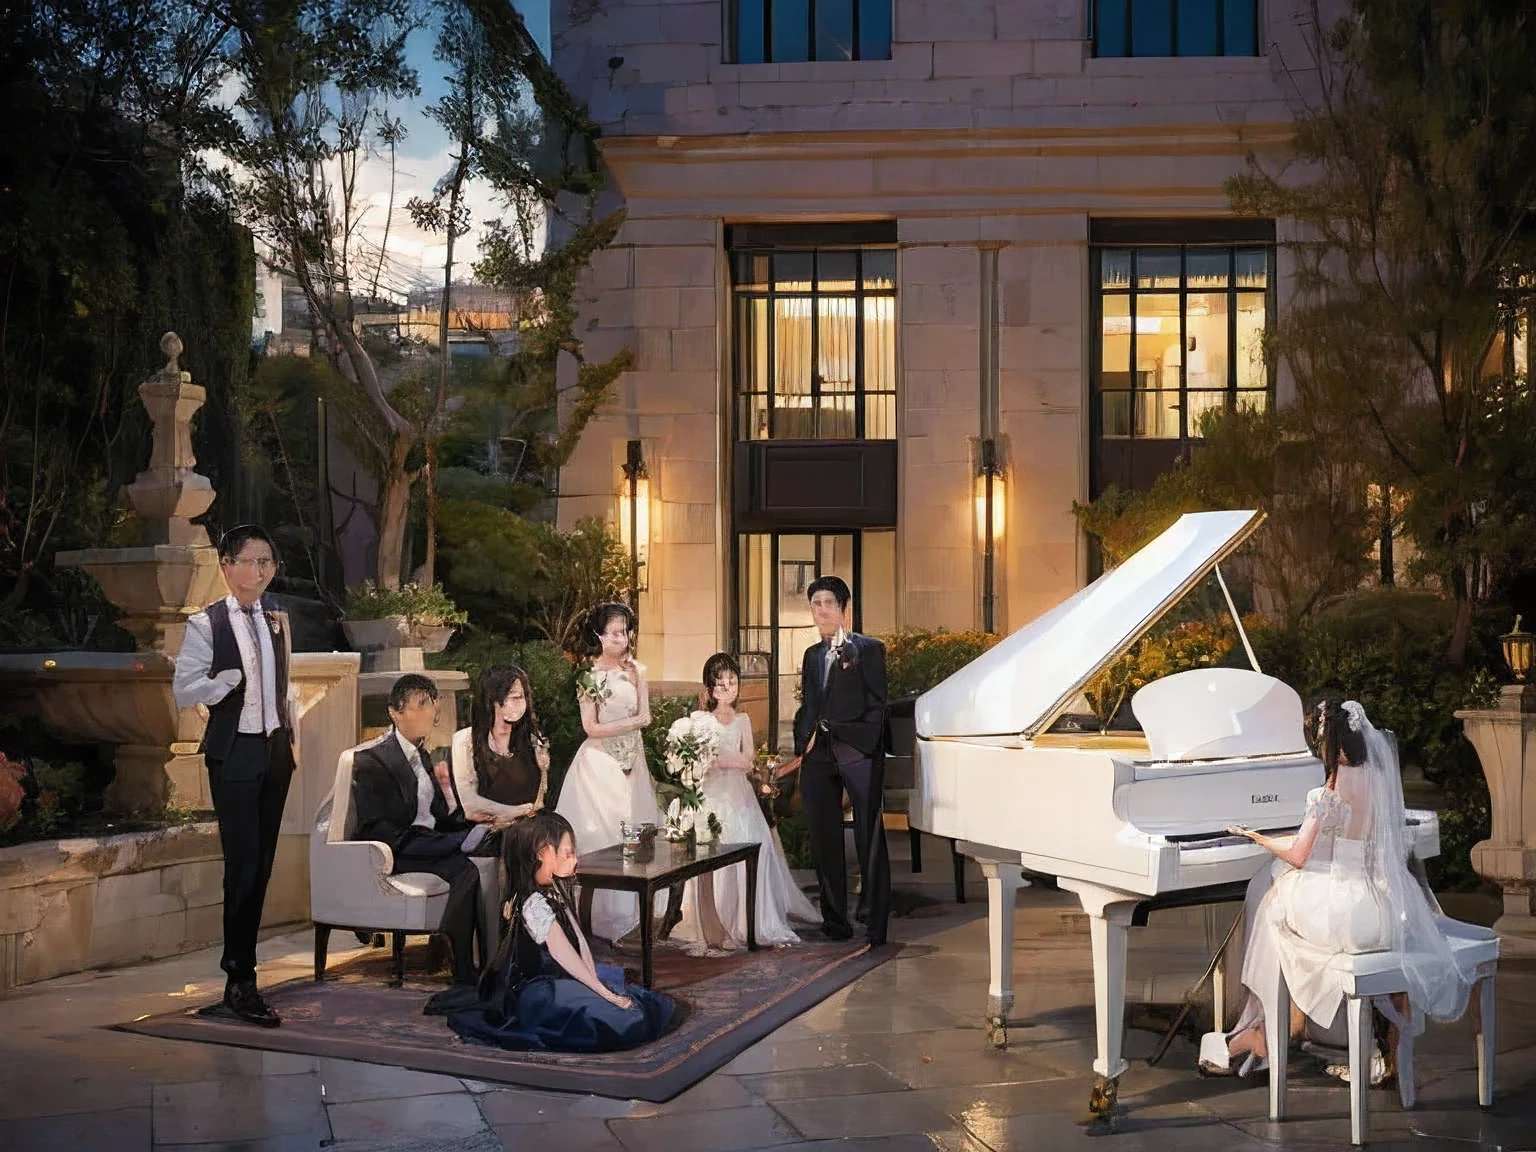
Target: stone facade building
x=889 y=263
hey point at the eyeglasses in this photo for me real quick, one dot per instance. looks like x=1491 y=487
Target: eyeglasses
x=261 y=564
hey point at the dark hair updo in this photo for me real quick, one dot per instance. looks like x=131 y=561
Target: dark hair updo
x=598 y=620
x=1330 y=734
x=714 y=668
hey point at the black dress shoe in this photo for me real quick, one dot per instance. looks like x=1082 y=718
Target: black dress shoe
x=841 y=934
x=247 y=1003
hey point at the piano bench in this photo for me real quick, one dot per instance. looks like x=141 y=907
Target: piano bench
x=1372 y=977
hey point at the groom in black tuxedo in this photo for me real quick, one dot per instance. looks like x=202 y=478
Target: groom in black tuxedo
x=397 y=801
x=839 y=730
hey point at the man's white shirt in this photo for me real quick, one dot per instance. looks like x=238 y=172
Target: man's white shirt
x=192 y=685
x=424 y=783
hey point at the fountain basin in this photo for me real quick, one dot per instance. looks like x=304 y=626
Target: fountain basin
x=120 y=698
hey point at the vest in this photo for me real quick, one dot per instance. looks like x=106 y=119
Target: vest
x=224 y=717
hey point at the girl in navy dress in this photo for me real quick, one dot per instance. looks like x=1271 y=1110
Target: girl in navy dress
x=543 y=991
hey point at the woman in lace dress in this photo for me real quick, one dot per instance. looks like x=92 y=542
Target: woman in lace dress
x=1341 y=886
x=714 y=907
x=608 y=781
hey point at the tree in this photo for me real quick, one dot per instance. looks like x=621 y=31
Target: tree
x=315 y=75
x=111 y=232
x=1413 y=180
x=542 y=161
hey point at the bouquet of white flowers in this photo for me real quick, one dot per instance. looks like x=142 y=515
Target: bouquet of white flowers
x=691 y=749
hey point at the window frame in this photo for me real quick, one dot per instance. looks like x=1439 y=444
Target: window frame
x=1135 y=237
x=733 y=26
x=1096 y=27
x=759 y=245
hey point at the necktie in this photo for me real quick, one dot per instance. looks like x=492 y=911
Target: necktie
x=261 y=678
x=826 y=668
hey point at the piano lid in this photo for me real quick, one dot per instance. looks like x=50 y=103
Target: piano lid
x=1019 y=686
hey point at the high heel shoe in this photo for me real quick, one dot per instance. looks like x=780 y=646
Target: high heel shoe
x=1254 y=1063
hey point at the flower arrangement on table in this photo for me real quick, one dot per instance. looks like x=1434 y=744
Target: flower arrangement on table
x=691 y=749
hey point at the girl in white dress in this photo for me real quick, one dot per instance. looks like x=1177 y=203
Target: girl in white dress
x=714 y=907
x=1340 y=886
x=608 y=781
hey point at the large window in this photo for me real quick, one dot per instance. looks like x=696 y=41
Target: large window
x=785 y=31
x=1175 y=27
x=1181 y=332
x=815 y=344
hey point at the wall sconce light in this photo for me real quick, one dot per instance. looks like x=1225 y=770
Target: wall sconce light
x=1518 y=648
x=991 y=521
x=635 y=518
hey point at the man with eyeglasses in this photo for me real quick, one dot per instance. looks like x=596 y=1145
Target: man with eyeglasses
x=234 y=662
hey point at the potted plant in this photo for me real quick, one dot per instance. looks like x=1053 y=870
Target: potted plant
x=412 y=615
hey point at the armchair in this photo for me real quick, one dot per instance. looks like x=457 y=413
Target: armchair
x=350 y=885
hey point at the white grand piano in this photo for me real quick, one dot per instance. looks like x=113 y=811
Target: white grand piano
x=1124 y=820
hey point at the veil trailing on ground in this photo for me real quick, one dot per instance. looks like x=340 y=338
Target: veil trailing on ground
x=1436 y=985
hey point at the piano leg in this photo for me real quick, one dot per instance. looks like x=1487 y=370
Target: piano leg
x=1003 y=883
x=1109 y=915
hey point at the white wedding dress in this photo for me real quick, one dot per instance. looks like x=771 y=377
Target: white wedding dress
x=608 y=782
x=729 y=794
x=1353 y=894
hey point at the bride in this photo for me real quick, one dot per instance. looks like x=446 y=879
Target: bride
x=1341 y=885
x=608 y=781
x=714 y=907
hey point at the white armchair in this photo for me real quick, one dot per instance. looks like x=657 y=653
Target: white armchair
x=350 y=885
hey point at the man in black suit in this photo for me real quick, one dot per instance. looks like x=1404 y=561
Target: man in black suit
x=234 y=662
x=839 y=730
x=396 y=800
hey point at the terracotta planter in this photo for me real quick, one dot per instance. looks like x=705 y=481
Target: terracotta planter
x=377 y=635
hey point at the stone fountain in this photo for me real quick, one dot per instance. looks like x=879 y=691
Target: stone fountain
x=125 y=698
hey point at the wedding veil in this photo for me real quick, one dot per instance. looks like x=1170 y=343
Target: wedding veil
x=1436 y=986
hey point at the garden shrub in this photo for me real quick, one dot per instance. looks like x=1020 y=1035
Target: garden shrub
x=917 y=659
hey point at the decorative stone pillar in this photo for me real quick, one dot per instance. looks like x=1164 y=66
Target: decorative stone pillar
x=1505 y=739
x=157 y=586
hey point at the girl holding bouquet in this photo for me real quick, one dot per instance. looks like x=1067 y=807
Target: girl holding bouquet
x=608 y=781
x=714 y=907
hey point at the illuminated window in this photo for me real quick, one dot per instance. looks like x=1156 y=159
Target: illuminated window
x=815 y=344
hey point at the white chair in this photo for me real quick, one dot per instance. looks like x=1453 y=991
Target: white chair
x=1371 y=976
x=350 y=886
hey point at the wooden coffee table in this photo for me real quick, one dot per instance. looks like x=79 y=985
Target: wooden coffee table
x=670 y=866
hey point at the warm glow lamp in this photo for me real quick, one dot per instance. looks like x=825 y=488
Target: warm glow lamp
x=635 y=515
x=1518 y=646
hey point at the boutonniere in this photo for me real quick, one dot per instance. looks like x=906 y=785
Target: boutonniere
x=844 y=651
x=274 y=625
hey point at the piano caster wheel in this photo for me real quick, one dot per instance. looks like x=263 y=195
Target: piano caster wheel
x=997 y=1031
x=1105 y=1092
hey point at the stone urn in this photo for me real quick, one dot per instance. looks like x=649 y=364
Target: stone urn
x=1505 y=739
x=367 y=636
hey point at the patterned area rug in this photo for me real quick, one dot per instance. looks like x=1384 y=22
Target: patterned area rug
x=729 y=1003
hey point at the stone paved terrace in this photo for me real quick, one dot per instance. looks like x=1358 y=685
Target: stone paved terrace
x=896 y=1061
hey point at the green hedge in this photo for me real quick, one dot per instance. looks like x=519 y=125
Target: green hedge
x=916 y=659
x=1386 y=648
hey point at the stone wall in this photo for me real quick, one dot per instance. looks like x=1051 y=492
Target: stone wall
x=955 y=65
x=70 y=905
x=991 y=127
